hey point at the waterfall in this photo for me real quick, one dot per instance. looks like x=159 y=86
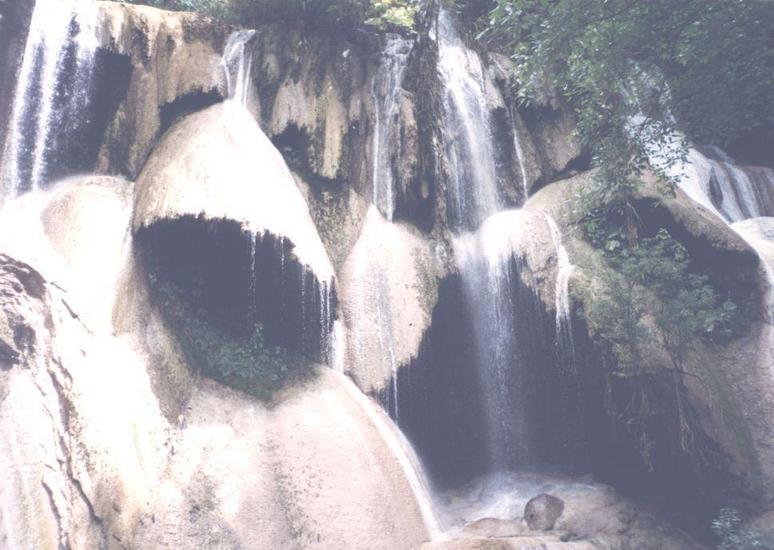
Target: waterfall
x=53 y=88
x=470 y=148
x=386 y=89
x=237 y=65
x=519 y=150
x=485 y=262
x=731 y=191
x=564 y=270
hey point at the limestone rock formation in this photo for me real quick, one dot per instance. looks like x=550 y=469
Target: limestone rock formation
x=542 y=511
x=163 y=64
x=218 y=164
x=103 y=463
x=388 y=289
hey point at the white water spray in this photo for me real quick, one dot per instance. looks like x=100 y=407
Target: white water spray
x=386 y=90
x=57 y=29
x=470 y=147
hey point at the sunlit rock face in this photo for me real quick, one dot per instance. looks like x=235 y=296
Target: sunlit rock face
x=170 y=65
x=219 y=164
x=388 y=287
x=108 y=456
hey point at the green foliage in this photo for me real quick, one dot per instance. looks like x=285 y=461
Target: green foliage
x=220 y=9
x=392 y=13
x=727 y=527
x=650 y=295
x=380 y=14
x=627 y=66
x=648 y=299
x=245 y=362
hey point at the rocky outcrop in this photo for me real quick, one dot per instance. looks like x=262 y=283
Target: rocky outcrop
x=172 y=63
x=218 y=164
x=115 y=454
x=583 y=516
x=725 y=432
x=542 y=511
x=388 y=289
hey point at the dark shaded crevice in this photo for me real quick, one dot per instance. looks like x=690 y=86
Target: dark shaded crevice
x=187 y=104
x=296 y=147
x=628 y=417
x=732 y=273
x=237 y=283
x=442 y=405
x=576 y=166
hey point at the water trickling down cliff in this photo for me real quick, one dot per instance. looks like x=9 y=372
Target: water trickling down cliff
x=393 y=226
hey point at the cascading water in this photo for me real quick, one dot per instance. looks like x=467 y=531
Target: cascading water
x=562 y=291
x=237 y=65
x=386 y=89
x=53 y=88
x=484 y=260
x=736 y=193
x=519 y=150
x=470 y=148
x=732 y=191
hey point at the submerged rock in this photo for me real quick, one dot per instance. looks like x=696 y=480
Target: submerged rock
x=542 y=512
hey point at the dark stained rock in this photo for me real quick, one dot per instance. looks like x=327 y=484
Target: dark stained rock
x=542 y=511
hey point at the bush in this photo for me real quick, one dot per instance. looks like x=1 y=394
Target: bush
x=244 y=362
x=379 y=14
x=633 y=70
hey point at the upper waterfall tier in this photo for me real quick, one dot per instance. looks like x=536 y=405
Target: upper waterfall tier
x=467 y=89
x=52 y=93
x=733 y=191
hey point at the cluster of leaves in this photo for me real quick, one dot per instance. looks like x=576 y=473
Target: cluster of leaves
x=727 y=528
x=648 y=299
x=652 y=280
x=633 y=71
x=385 y=14
x=245 y=362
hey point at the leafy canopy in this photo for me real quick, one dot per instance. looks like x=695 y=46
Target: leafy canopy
x=379 y=14
x=651 y=296
x=633 y=70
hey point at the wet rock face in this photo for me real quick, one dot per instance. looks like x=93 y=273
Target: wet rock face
x=542 y=512
x=21 y=290
x=172 y=66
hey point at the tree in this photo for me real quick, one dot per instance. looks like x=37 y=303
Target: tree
x=635 y=70
x=651 y=296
